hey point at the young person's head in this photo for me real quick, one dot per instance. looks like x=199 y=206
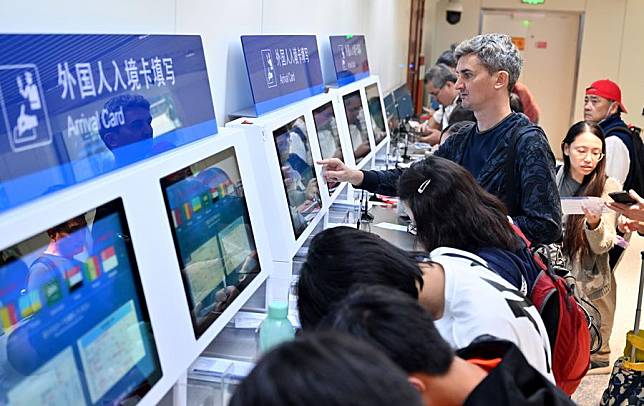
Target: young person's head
x=488 y=66
x=584 y=149
x=69 y=238
x=398 y=326
x=515 y=103
x=460 y=114
x=132 y=121
x=325 y=370
x=341 y=258
x=447 y=58
x=603 y=99
x=451 y=210
x=395 y=324
x=455 y=128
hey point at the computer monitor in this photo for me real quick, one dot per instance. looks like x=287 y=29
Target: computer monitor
x=349 y=58
x=404 y=102
x=357 y=125
x=391 y=109
x=375 y=111
x=212 y=234
x=75 y=326
x=298 y=174
x=328 y=136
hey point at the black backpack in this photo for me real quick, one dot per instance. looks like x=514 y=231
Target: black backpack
x=635 y=178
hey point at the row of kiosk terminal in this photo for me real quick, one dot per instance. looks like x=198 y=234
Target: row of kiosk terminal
x=113 y=289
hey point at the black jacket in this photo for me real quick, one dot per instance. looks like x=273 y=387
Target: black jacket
x=533 y=199
x=513 y=381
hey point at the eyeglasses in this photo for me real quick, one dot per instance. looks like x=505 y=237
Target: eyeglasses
x=583 y=153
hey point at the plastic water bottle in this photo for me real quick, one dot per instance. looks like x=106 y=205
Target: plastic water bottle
x=276 y=328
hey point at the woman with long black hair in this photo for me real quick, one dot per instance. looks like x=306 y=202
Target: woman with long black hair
x=588 y=238
x=451 y=210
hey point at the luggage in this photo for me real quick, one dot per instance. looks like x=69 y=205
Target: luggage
x=626 y=384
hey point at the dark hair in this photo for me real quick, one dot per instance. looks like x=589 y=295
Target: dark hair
x=340 y=258
x=115 y=104
x=515 y=103
x=574 y=240
x=447 y=58
x=455 y=128
x=439 y=75
x=453 y=210
x=68 y=226
x=325 y=370
x=395 y=324
x=460 y=114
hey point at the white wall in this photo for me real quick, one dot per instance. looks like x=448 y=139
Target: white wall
x=387 y=31
x=631 y=63
x=611 y=42
x=384 y=22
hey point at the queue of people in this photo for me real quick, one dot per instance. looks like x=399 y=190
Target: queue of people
x=455 y=322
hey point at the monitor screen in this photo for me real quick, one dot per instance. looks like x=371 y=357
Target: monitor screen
x=391 y=109
x=349 y=58
x=404 y=102
x=328 y=136
x=75 y=326
x=298 y=173
x=357 y=125
x=212 y=234
x=375 y=111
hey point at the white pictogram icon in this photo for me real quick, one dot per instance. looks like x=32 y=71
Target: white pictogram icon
x=269 y=68
x=23 y=107
x=344 y=57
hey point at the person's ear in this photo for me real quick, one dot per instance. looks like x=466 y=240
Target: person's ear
x=612 y=109
x=417 y=383
x=502 y=80
x=566 y=149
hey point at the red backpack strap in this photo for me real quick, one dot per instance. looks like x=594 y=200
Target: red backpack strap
x=535 y=257
x=518 y=232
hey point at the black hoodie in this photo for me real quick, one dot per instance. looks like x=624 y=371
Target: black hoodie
x=513 y=381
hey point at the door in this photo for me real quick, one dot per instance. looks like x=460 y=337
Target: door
x=549 y=44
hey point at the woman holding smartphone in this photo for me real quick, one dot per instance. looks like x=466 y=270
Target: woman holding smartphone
x=588 y=238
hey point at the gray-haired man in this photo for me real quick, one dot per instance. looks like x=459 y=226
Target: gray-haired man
x=440 y=82
x=508 y=156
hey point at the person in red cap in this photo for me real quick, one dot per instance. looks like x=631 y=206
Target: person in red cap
x=603 y=105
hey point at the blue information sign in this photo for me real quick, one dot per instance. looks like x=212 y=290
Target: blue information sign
x=349 y=57
x=73 y=107
x=282 y=69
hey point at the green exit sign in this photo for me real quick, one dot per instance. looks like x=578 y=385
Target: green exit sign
x=533 y=1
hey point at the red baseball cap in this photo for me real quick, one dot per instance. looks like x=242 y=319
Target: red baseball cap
x=607 y=89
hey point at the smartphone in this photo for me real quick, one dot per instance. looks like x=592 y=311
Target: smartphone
x=622 y=197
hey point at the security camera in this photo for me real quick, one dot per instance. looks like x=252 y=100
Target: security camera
x=454 y=11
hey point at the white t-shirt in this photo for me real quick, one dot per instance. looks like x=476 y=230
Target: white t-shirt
x=479 y=302
x=618 y=160
x=443 y=114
